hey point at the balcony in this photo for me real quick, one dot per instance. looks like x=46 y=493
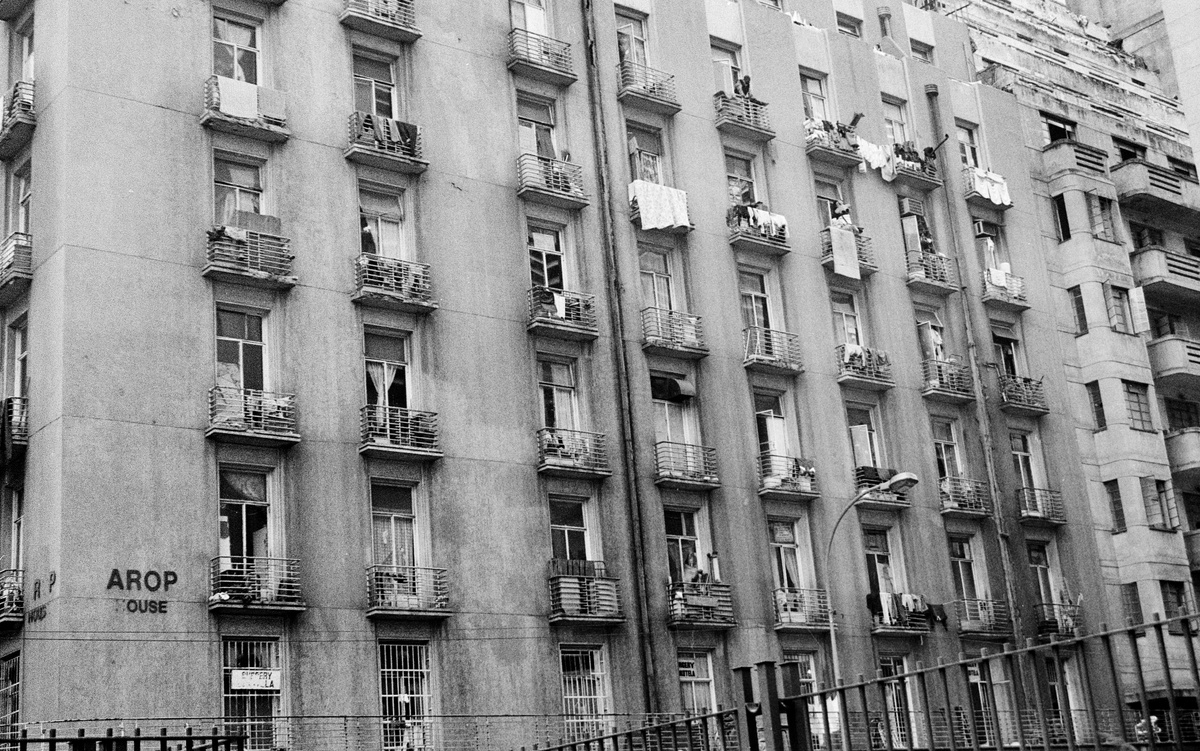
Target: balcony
x=786 y=478
x=242 y=584
x=1174 y=277
x=931 y=273
x=647 y=88
x=12 y=598
x=895 y=619
x=864 y=368
x=16 y=427
x=244 y=256
x=743 y=117
x=1072 y=156
x=243 y=109
x=773 y=352
x=582 y=593
x=253 y=417
x=540 y=58
x=385 y=143
x=947 y=381
x=1022 y=396
x=388 y=19
x=572 y=453
x=1157 y=191
x=19 y=120
x=685 y=466
x=16 y=267
x=1183 y=454
x=666 y=208
x=964 y=499
x=400 y=434
x=986 y=190
x=1041 y=507
x=1058 y=618
x=393 y=284
x=801 y=609
x=552 y=182
x=1191 y=541
x=412 y=593
x=843 y=262
x=700 y=605
x=1004 y=291
x=1175 y=362
x=878 y=500
x=832 y=146
x=918 y=174
x=757 y=230
x=558 y=314
x=673 y=334
x=984 y=618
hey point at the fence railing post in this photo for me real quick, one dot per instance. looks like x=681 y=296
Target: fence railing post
x=750 y=709
x=768 y=692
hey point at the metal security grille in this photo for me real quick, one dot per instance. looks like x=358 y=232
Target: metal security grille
x=10 y=695
x=585 y=692
x=252 y=680
x=405 y=695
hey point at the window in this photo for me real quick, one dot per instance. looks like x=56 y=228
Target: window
x=1144 y=236
x=1161 y=512
x=1175 y=604
x=1131 y=604
x=1182 y=414
x=645 y=153
x=235 y=50
x=864 y=441
x=790 y=561
x=568 y=529
x=968 y=150
x=1062 y=220
x=529 y=15
x=252 y=680
x=895 y=122
x=885 y=25
x=727 y=69
x=921 y=51
x=374 y=87
x=393 y=525
x=813 y=95
x=880 y=575
x=1137 y=401
x=586 y=698
x=849 y=25
x=27 y=66
x=756 y=309
x=962 y=568
x=1055 y=128
x=381 y=216
x=657 y=284
x=631 y=38
x=771 y=425
x=696 y=683
x=683 y=546
x=1024 y=468
x=1186 y=170
x=1039 y=567
x=931 y=335
x=405 y=692
x=1080 y=312
x=237 y=186
x=829 y=195
x=945 y=447
x=739 y=176
x=1100 y=209
x=1094 y=398
x=10 y=695
x=847 y=328
x=21 y=197
x=535 y=124
x=674 y=418
x=20 y=369
x=1115 y=506
x=895 y=691
x=1191 y=247
x=1120 y=315
x=386 y=367
x=556 y=381
x=240 y=350
x=1167 y=324
x=16 y=508
x=245 y=519
x=545 y=256
x=1127 y=150
x=1005 y=347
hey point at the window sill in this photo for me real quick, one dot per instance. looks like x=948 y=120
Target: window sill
x=1119 y=531
x=1153 y=431
x=1156 y=528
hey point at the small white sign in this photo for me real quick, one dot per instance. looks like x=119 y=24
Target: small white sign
x=255 y=680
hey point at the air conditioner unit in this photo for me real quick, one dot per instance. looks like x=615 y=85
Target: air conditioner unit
x=912 y=207
x=986 y=229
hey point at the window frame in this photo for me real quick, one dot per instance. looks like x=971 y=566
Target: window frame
x=1141 y=413
x=626 y=18
x=548 y=388
x=890 y=124
x=968 y=145
x=1116 y=505
x=921 y=51
x=263 y=345
x=807 y=96
x=849 y=25
x=1096 y=401
x=404 y=367
x=685 y=681
x=390 y=704
x=395 y=101
x=1050 y=122
x=246 y=22
x=270 y=648
x=247 y=161
x=586 y=723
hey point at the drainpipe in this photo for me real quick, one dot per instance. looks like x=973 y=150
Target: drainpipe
x=977 y=370
x=616 y=311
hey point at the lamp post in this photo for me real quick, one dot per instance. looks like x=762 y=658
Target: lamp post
x=898 y=483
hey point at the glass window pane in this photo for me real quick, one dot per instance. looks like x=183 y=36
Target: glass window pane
x=566 y=513
x=366 y=67
x=393 y=498
x=231 y=324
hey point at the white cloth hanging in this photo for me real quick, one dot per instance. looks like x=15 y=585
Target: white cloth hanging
x=845 y=252
x=238 y=98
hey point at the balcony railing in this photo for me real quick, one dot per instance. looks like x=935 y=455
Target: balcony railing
x=984 y=616
x=244 y=582
x=801 y=608
x=583 y=591
x=266 y=120
x=673 y=332
x=390 y=19
x=832 y=143
x=399 y=432
x=921 y=174
x=931 y=272
x=1041 y=506
x=963 y=497
x=899 y=616
x=867 y=477
x=16 y=266
x=236 y=254
x=700 y=605
x=385 y=143
x=550 y=181
x=572 y=453
x=647 y=87
x=16 y=420
x=862 y=247
x=1175 y=361
x=1070 y=155
x=1058 y=618
x=562 y=314
x=864 y=367
x=1004 y=290
x=12 y=596
x=252 y=416
x=948 y=380
x=1022 y=395
x=19 y=119
x=757 y=229
x=743 y=116
x=685 y=465
x=540 y=57
x=407 y=590
x=1162 y=272
x=392 y=283
x=786 y=477
x=772 y=351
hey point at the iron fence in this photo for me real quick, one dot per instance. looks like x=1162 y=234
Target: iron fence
x=404 y=588
x=406 y=280
x=1019 y=391
x=400 y=428
x=249 y=252
x=398 y=12
x=948 y=376
x=575 y=449
x=864 y=362
x=528 y=47
x=862 y=245
x=251 y=411
x=672 y=328
x=931 y=267
x=788 y=474
x=583 y=590
x=385 y=135
x=647 y=81
x=1041 y=504
x=780 y=349
x=743 y=110
x=685 y=461
x=16 y=257
x=256 y=580
x=548 y=305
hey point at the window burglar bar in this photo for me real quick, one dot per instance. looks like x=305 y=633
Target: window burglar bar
x=406 y=280
x=866 y=254
x=250 y=252
x=252 y=678
x=401 y=428
x=1039 y=503
x=539 y=50
x=399 y=12
x=255 y=580
x=583 y=589
x=576 y=448
x=647 y=81
x=251 y=410
x=672 y=328
x=407 y=588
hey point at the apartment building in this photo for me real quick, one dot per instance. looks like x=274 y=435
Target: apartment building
x=369 y=358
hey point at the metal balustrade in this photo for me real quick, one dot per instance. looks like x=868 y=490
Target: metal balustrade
x=238 y=410
x=405 y=282
x=1058 y=617
x=406 y=430
x=960 y=495
x=583 y=591
x=572 y=451
x=801 y=608
x=1008 y=296
x=862 y=244
x=384 y=142
x=16 y=258
x=868 y=477
x=16 y=419
x=270 y=118
x=856 y=362
x=12 y=595
x=557 y=308
x=772 y=350
x=895 y=618
x=921 y=175
x=391 y=19
x=787 y=476
x=743 y=115
x=947 y=377
x=718 y=731
x=526 y=48
x=404 y=589
x=542 y=173
x=240 y=581
x=685 y=463
x=1041 y=505
x=249 y=253
x=700 y=605
x=1021 y=394
x=931 y=269
x=673 y=330
x=19 y=119
x=984 y=616
x=652 y=88
x=757 y=229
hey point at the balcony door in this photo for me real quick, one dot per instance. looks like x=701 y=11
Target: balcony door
x=381 y=217
x=241 y=362
x=21 y=200
x=864 y=441
x=568 y=529
x=529 y=15
x=945 y=447
x=686 y=548
x=756 y=301
x=386 y=369
x=771 y=425
x=393 y=525
x=631 y=39
x=1026 y=467
x=847 y=324
x=235 y=50
x=245 y=529
x=535 y=120
x=1044 y=578
x=237 y=187
x=930 y=334
x=560 y=408
x=962 y=568
x=374 y=87
x=881 y=578
x=657 y=285
x=545 y=257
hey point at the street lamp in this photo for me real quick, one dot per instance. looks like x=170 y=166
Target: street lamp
x=897 y=483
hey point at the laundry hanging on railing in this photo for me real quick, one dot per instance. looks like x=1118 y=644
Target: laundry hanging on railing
x=989 y=185
x=844 y=244
x=660 y=207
